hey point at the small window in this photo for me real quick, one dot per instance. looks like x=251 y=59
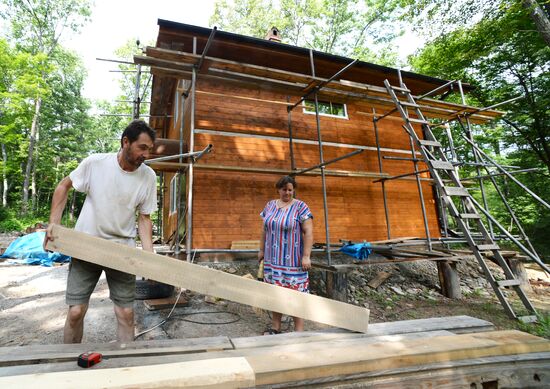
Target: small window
x=326 y=108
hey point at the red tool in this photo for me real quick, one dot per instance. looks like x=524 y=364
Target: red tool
x=89 y=359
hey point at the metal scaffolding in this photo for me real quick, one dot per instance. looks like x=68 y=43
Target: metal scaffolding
x=461 y=115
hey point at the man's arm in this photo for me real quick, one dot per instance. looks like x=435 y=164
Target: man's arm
x=59 y=200
x=145 y=230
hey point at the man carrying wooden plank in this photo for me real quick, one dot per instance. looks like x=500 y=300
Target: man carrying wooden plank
x=117 y=185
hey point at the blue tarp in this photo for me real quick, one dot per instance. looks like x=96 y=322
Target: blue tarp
x=359 y=250
x=28 y=250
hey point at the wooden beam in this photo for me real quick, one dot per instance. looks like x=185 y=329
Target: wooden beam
x=180 y=60
x=213 y=373
x=281 y=366
x=175 y=166
x=58 y=353
x=208 y=281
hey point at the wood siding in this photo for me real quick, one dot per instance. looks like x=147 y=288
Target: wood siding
x=227 y=204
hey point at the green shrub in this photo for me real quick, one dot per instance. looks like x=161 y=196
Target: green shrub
x=10 y=224
x=540 y=328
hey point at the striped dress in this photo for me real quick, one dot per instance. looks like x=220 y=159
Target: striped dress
x=284 y=245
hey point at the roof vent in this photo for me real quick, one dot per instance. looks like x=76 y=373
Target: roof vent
x=273 y=34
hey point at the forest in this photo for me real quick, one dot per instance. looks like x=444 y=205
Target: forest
x=499 y=47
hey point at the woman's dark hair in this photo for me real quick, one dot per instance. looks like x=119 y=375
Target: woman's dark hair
x=285 y=180
x=135 y=128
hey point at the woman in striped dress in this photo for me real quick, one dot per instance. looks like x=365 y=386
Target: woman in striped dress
x=285 y=246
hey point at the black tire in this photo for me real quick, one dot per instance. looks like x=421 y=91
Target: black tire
x=149 y=289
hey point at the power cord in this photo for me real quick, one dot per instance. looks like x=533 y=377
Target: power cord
x=171 y=311
x=163 y=321
x=183 y=315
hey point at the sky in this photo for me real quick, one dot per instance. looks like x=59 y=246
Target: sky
x=115 y=22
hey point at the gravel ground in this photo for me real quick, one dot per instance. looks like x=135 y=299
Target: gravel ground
x=32 y=307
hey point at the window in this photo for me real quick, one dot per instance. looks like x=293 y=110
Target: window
x=326 y=108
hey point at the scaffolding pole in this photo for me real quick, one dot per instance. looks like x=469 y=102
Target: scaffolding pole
x=180 y=214
x=476 y=160
x=290 y=142
x=379 y=154
x=323 y=164
x=137 y=99
x=190 y=170
x=321 y=159
x=507 y=174
x=533 y=256
x=421 y=197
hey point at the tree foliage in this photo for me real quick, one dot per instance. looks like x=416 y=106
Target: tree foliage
x=502 y=55
x=37 y=27
x=353 y=28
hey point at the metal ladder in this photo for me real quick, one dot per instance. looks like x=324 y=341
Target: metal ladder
x=437 y=162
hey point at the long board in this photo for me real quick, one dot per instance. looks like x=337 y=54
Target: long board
x=208 y=281
x=292 y=365
x=212 y=373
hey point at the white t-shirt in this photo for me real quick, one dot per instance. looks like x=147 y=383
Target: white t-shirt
x=113 y=197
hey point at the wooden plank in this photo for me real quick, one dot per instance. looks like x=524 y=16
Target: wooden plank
x=280 y=367
x=179 y=60
x=34 y=354
x=175 y=166
x=208 y=281
x=226 y=373
x=455 y=324
x=246 y=244
x=164 y=303
x=319 y=338
x=379 y=279
x=320 y=341
x=508 y=371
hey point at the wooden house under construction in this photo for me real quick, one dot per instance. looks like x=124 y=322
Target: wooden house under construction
x=254 y=101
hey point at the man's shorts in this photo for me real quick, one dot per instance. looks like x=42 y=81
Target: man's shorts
x=83 y=277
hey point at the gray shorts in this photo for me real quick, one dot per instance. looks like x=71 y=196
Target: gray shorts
x=83 y=277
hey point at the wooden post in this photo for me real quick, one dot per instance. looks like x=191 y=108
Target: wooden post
x=448 y=279
x=337 y=286
x=516 y=265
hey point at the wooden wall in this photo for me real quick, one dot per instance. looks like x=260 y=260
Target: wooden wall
x=227 y=204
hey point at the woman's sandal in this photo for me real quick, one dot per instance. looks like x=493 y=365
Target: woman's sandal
x=271 y=331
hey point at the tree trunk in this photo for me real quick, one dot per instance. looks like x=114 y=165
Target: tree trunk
x=5 y=177
x=72 y=208
x=34 y=200
x=540 y=18
x=32 y=141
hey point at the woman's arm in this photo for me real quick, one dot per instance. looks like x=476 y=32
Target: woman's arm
x=307 y=230
x=262 y=246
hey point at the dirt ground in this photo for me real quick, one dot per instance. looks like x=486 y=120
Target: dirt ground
x=32 y=308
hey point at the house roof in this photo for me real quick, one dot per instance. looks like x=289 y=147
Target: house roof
x=261 y=52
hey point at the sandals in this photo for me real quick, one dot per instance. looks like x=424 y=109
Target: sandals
x=271 y=331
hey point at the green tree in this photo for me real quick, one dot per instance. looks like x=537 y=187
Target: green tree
x=353 y=28
x=502 y=55
x=21 y=83
x=37 y=27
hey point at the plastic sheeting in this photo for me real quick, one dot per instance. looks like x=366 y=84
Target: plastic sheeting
x=358 y=250
x=28 y=250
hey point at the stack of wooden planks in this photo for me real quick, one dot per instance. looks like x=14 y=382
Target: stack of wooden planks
x=452 y=352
